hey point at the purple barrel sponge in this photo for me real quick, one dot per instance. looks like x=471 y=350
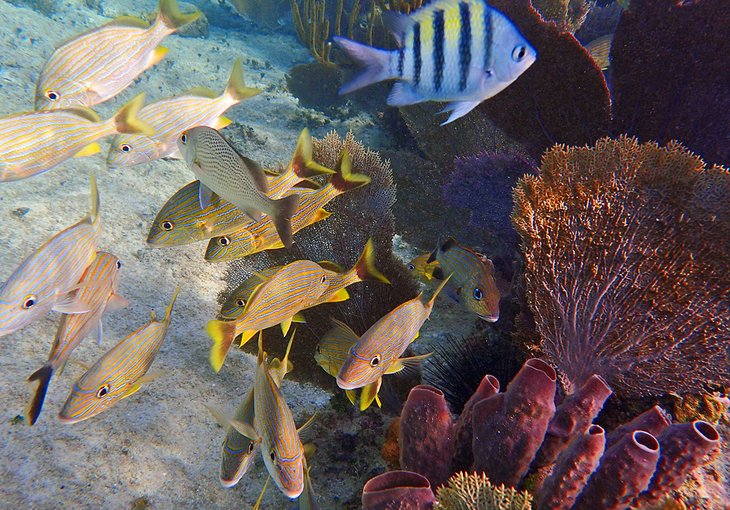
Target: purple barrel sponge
x=400 y=490
x=509 y=427
x=463 y=456
x=624 y=472
x=427 y=434
x=653 y=421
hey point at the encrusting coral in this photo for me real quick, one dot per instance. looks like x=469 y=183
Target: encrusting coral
x=627 y=272
x=475 y=492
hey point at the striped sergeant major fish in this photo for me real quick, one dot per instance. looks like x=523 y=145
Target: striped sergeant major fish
x=97 y=291
x=181 y=221
x=377 y=352
x=99 y=64
x=170 y=117
x=261 y=236
x=120 y=372
x=48 y=279
x=458 y=51
x=34 y=142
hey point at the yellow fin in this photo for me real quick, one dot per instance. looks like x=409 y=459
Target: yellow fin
x=222 y=334
x=351 y=396
x=157 y=55
x=320 y=215
x=418 y=333
x=309 y=449
x=236 y=87
x=168 y=13
x=369 y=393
x=222 y=122
x=246 y=336
x=406 y=363
x=339 y=296
x=298 y=317
x=285 y=325
x=307 y=424
x=139 y=382
x=257 y=505
x=126 y=120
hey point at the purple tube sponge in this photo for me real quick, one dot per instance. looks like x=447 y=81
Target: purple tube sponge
x=653 y=421
x=509 y=427
x=397 y=489
x=572 y=470
x=463 y=456
x=427 y=435
x=573 y=417
x=683 y=448
x=625 y=471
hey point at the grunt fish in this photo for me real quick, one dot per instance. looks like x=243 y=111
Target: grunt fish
x=424 y=271
x=33 y=142
x=170 y=117
x=119 y=373
x=98 y=64
x=234 y=305
x=473 y=283
x=47 y=279
x=234 y=178
x=97 y=291
x=458 y=51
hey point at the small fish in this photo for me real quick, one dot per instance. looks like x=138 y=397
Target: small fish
x=234 y=178
x=97 y=291
x=170 y=117
x=277 y=300
x=119 y=373
x=458 y=51
x=33 y=142
x=424 y=271
x=261 y=236
x=600 y=50
x=98 y=64
x=473 y=283
x=378 y=350
x=47 y=279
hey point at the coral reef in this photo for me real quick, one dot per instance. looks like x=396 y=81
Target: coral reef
x=568 y=15
x=475 y=492
x=626 y=275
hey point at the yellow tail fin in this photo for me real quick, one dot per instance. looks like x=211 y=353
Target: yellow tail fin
x=168 y=13
x=343 y=179
x=126 y=120
x=222 y=334
x=237 y=88
x=302 y=163
x=365 y=266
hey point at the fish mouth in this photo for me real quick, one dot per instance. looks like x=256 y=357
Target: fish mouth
x=489 y=318
x=345 y=385
x=68 y=420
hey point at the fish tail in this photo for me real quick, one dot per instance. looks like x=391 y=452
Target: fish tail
x=168 y=13
x=302 y=163
x=441 y=286
x=222 y=334
x=365 y=266
x=43 y=376
x=343 y=179
x=376 y=63
x=284 y=209
x=126 y=120
x=236 y=87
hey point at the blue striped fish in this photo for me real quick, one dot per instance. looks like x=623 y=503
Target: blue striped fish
x=47 y=279
x=170 y=117
x=99 y=64
x=378 y=350
x=119 y=373
x=33 y=142
x=278 y=300
x=459 y=51
x=473 y=283
x=97 y=291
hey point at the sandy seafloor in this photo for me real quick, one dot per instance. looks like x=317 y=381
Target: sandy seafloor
x=160 y=448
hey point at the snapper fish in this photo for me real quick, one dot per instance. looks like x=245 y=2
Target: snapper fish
x=99 y=64
x=48 y=279
x=459 y=51
x=97 y=291
x=234 y=178
x=170 y=117
x=120 y=372
x=473 y=283
x=33 y=142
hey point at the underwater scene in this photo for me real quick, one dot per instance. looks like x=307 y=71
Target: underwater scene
x=365 y=254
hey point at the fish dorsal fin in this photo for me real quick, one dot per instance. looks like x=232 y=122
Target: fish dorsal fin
x=331 y=266
x=307 y=424
x=262 y=354
x=202 y=92
x=345 y=331
x=447 y=244
x=128 y=21
x=397 y=24
x=84 y=113
x=168 y=310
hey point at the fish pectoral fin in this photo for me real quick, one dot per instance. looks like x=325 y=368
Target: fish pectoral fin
x=369 y=393
x=403 y=94
x=309 y=450
x=222 y=122
x=71 y=304
x=285 y=325
x=257 y=505
x=246 y=336
x=418 y=333
x=205 y=196
x=406 y=364
x=99 y=333
x=351 y=396
x=134 y=388
x=89 y=150
x=245 y=429
x=157 y=55
x=116 y=302
x=339 y=296
x=458 y=109
x=307 y=424
x=299 y=318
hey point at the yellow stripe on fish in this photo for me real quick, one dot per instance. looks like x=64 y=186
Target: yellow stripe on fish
x=99 y=64
x=293 y=288
x=119 y=373
x=170 y=117
x=97 y=291
x=33 y=142
x=181 y=221
x=47 y=279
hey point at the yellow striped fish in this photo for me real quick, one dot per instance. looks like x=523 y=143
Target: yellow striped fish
x=424 y=271
x=181 y=221
x=461 y=51
x=33 y=142
x=97 y=291
x=262 y=235
x=99 y=64
x=119 y=373
x=278 y=300
x=378 y=350
x=170 y=117
x=234 y=305
x=47 y=279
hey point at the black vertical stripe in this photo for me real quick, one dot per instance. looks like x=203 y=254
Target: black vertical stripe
x=401 y=59
x=487 y=36
x=438 y=49
x=416 y=54
x=464 y=45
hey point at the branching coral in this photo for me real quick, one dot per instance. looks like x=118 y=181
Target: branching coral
x=475 y=492
x=627 y=272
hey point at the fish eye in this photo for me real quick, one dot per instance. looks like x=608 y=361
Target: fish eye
x=125 y=147
x=224 y=241
x=184 y=137
x=324 y=279
x=101 y=392
x=249 y=450
x=29 y=301
x=240 y=302
x=375 y=361
x=519 y=52
x=52 y=95
x=119 y=264
x=167 y=225
x=411 y=267
x=272 y=455
x=478 y=294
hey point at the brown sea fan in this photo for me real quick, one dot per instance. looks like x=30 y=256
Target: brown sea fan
x=626 y=265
